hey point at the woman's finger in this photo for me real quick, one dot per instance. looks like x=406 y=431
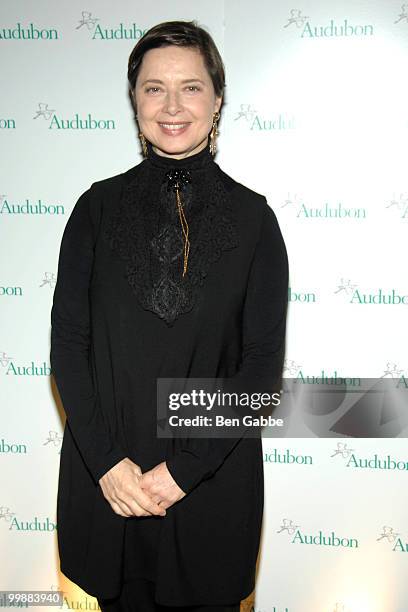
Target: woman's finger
x=147 y=503
x=116 y=508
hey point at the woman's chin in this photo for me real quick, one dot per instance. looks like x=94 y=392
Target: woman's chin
x=177 y=146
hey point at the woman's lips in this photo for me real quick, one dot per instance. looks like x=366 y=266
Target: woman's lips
x=173 y=129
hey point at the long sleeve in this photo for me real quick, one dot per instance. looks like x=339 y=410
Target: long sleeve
x=70 y=354
x=264 y=330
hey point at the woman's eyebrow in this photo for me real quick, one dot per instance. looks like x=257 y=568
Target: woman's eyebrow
x=192 y=81
x=152 y=81
x=183 y=81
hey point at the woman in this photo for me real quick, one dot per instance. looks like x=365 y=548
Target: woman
x=171 y=269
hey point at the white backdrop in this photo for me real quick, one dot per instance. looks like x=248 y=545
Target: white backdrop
x=316 y=118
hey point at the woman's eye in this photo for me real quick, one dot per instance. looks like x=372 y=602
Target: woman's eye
x=193 y=88
x=152 y=89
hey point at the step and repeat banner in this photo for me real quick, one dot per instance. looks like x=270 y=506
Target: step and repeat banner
x=316 y=119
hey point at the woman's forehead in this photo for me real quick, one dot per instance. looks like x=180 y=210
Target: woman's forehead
x=171 y=61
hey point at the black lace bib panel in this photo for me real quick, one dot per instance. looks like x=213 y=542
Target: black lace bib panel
x=146 y=233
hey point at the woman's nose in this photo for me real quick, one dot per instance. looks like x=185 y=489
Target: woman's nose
x=172 y=103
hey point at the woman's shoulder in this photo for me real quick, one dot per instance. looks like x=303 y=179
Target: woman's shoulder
x=104 y=194
x=115 y=181
x=252 y=207
x=242 y=194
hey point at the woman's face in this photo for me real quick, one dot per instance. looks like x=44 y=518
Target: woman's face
x=175 y=100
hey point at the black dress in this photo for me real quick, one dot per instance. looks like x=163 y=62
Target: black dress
x=122 y=316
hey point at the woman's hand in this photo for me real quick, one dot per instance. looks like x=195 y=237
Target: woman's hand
x=121 y=486
x=161 y=487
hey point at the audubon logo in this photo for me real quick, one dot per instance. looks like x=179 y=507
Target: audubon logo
x=374 y=462
x=403 y=16
x=277 y=456
x=346 y=287
x=293 y=370
x=28 y=32
x=327 y=379
x=301 y=296
x=4 y=359
x=54 y=439
x=342 y=450
x=393 y=371
x=35 y=524
x=11 y=291
x=391 y=537
x=12 y=448
x=396 y=373
x=5 y=514
x=99 y=32
x=7 y=124
x=290 y=368
x=399 y=205
x=330 y=404
x=388 y=297
x=77 y=122
x=29 y=207
x=86 y=602
x=315 y=539
x=10 y=368
x=302 y=210
x=307 y=29
x=256 y=121
x=49 y=280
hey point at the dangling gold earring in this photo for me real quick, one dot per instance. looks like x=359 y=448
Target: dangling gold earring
x=214 y=134
x=144 y=143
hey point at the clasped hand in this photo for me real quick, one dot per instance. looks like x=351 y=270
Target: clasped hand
x=133 y=493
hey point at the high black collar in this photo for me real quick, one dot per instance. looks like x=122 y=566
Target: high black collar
x=202 y=159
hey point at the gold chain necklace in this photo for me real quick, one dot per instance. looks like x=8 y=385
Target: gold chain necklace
x=177 y=179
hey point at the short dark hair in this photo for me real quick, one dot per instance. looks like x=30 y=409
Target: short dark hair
x=182 y=34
